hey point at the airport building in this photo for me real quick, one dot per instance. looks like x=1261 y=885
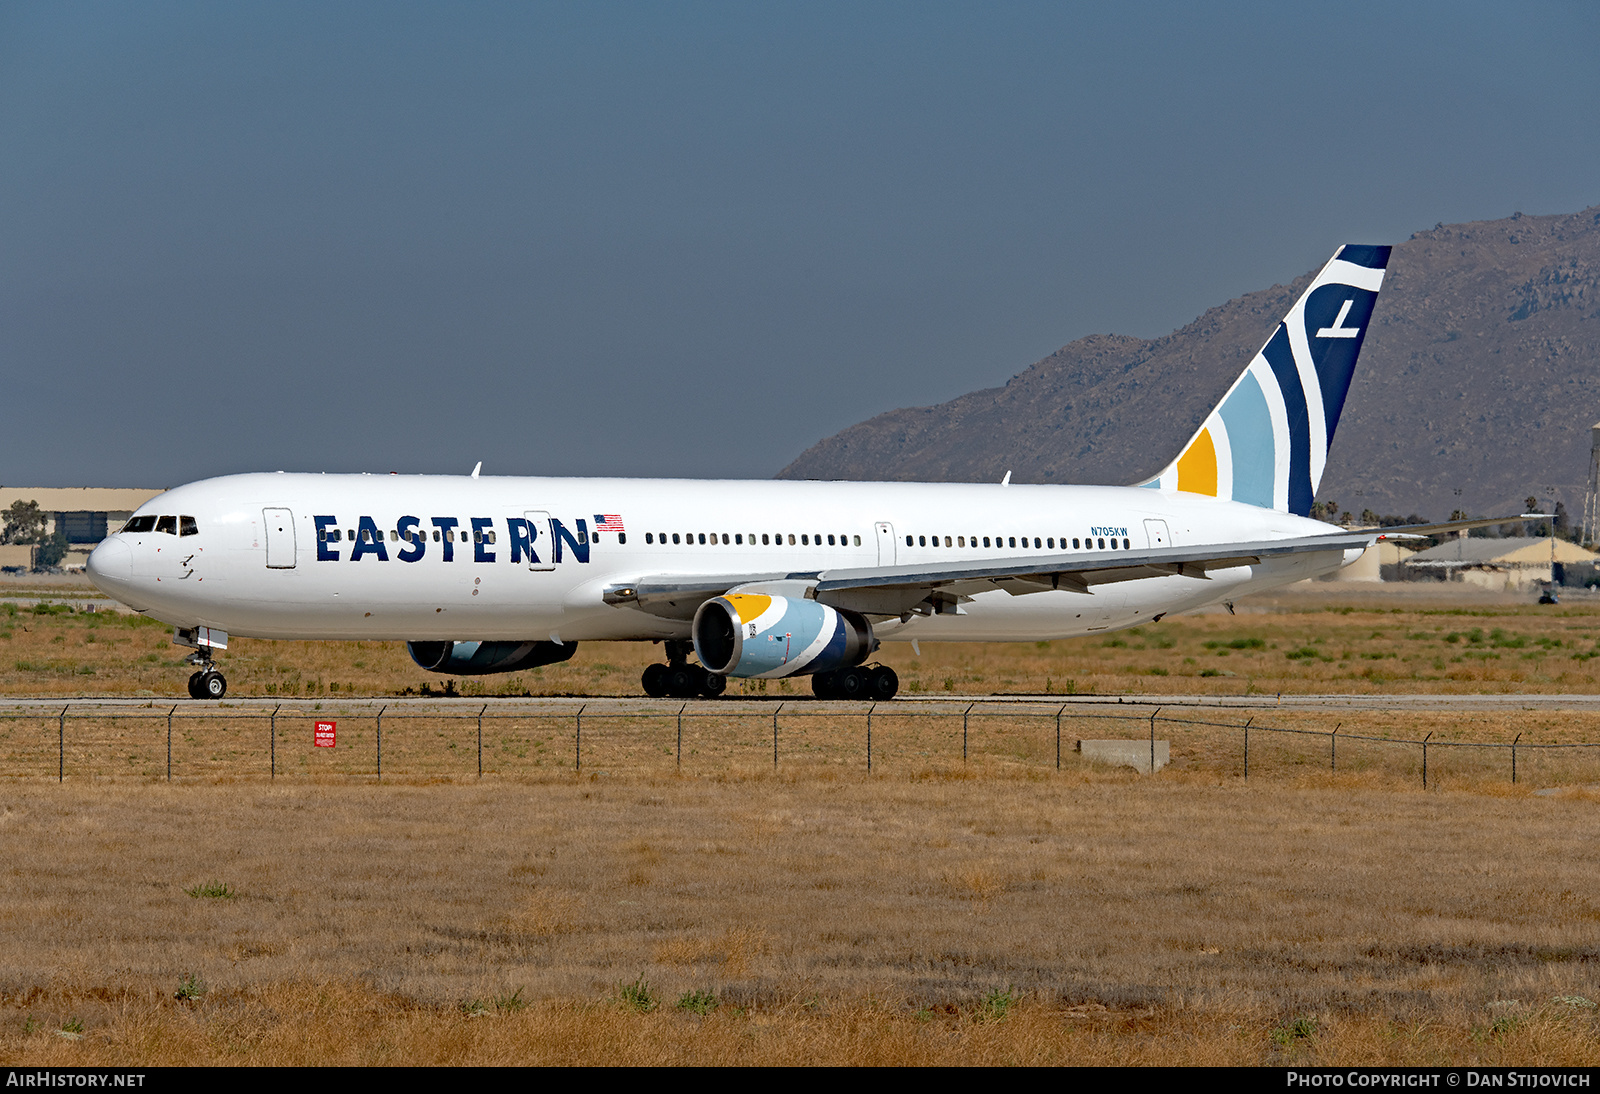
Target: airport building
x=85 y=513
x=1513 y=564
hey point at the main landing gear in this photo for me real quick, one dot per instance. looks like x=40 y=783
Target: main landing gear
x=208 y=683
x=679 y=679
x=878 y=683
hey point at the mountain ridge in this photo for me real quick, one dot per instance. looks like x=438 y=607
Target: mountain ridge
x=1476 y=386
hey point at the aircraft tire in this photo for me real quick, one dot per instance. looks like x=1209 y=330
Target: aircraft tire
x=213 y=685
x=822 y=686
x=194 y=686
x=654 y=681
x=882 y=684
x=682 y=681
x=713 y=685
x=851 y=683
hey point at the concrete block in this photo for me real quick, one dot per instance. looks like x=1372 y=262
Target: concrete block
x=1125 y=753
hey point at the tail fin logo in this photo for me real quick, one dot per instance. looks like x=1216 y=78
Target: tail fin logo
x=1267 y=442
x=1339 y=330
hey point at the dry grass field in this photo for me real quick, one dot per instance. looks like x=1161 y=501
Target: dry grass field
x=933 y=917
x=935 y=911
x=1318 y=639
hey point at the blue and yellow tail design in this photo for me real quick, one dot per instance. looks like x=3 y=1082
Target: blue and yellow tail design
x=1266 y=443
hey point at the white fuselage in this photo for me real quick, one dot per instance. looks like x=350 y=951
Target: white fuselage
x=261 y=560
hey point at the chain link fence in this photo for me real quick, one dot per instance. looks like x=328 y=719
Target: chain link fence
x=99 y=741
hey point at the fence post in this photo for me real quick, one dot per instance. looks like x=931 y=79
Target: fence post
x=1247 y=722
x=964 y=731
x=1425 y=760
x=170 y=713
x=61 y=745
x=480 y=740
x=1153 y=718
x=272 y=748
x=1333 y=748
x=380 y=740
x=1058 y=736
x=577 y=742
x=680 y=735
x=1514 y=741
x=776 y=711
x=869 y=737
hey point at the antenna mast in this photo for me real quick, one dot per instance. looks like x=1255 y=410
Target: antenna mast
x=1591 y=496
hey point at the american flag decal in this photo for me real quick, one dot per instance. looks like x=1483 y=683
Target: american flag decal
x=608 y=522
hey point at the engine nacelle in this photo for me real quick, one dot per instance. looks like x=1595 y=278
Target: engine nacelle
x=753 y=635
x=483 y=658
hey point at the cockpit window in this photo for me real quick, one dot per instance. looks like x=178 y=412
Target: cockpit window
x=188 y=527
x=168 y=525
x=140 y=524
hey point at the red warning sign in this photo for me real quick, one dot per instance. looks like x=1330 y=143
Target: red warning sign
x=323 y=737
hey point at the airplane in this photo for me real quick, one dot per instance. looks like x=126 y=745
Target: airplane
x=772 y=579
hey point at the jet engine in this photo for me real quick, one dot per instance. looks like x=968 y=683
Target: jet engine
x=749 y=635
x=483 y=658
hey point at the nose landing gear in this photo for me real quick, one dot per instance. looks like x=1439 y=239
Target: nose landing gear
x=208 y=682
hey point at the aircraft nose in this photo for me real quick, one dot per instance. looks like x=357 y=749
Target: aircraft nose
x=111 y=561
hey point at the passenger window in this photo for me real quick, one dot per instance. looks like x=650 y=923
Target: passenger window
x=702 y=537
x=763 y=539
x=1113 y=544
x=1102 y=545
x=910 y=542
x=986 y=541
x=168 y=525
x=393 y=535
x=858 y=541
x=140 y=524
x=724 y=539
x=738 y=538
x=675 y=537
x=1013 y=541
x=830 y=540
x=1050 y=542
x=188 y=527
x=1074 y=544
x=804 y=541
x=1126 y=545
x=1036 y=543
x=922 y=541
x=791 y=539
x=649 y=537
x=622 y=537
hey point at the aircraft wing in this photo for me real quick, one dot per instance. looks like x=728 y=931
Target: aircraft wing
x=895 y=590
x=1422 y=531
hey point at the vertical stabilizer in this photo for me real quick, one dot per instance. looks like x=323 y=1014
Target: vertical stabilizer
x=1266 y=443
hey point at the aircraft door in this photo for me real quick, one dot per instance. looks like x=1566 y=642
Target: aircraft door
x=1157 y=531
x=543 y=556
x=279 y=526
x=885 y=543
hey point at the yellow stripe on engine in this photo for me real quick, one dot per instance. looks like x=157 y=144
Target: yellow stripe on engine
x=748 y=606
x=1197 y=467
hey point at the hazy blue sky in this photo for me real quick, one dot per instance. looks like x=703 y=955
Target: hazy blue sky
x=656 y=239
